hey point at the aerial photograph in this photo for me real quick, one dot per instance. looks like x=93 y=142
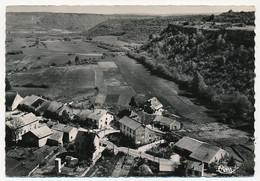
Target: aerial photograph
x=129 y=91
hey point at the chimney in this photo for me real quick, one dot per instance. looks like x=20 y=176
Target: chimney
x=57 y=165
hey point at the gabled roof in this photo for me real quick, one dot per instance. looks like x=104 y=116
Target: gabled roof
x=205 y=152
x=56 y=136
x=12 y=100
x=130 y=123
x=38 y=102
x=145 y=118
x=188 y=143
x=97 y=114
x=83 y=114
x=29 y=100
x=43 y=107
x=54 y=107
x=42 y=132
x=165 y=120
x=155 y=104
x=62 y=127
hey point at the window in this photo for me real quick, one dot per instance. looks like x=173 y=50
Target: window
x=24 y=132
x=35 y=126
x=106 y=118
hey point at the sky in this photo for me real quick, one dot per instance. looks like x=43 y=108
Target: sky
x=156 y=10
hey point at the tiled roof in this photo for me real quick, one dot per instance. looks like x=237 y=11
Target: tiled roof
x=29 y=100
x=83 y=115
x=57 y=135
x=43 y=107
x=54 y=106
x=130 y=123
x=97 y=114
x=42 y=131
x=12 y=99
x=205 y=152
x=188 y=143
x=62 y=127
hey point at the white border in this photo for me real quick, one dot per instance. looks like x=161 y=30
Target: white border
x=4 y=3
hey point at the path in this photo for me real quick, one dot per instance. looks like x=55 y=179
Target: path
x=137 y=153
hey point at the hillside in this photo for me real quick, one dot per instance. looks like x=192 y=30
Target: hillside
x=65 y=21
x=136 y=30
x=215 y=64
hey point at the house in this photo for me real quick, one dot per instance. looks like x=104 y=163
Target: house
x=69 y=132
x=153 y=106
x=56 y=138
x=99 y=118
x=12 y=100
x=82 y=115
x=167 y=124
x=139 y=133
x=200 y=151
x=53 y=110
x=40 y=110
x=194 y=168
x=37 y=137
x=87 y=145
x=26 y=103
x=20 y=125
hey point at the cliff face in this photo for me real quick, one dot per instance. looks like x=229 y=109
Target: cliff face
x=223 y=59
x=236 y=36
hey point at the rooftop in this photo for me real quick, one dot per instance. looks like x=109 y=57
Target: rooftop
x=97 y=114
x=83 y=114
x=130 y=123
x=42 y=132
x=188 y=143
x=155 y=104
x=54 y=106
x=29 y=100
x=62 y=127
x=205 y=152
x=56 y=136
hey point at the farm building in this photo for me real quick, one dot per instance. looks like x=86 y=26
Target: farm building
x=37 y=137
x=20 y=125
x=167 y=123
x=87 y=145
x=26 y=103
x=99 y=118
x=53 y=110
x=194 y=168
x=42 y=108
x=153 y=106
x=200 y=151
x=56 y=138
x=69 y=132
x=139 y=133
x=12 y=100
x=82 y=115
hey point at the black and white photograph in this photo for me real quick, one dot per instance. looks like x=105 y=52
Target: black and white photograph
x=129 y=91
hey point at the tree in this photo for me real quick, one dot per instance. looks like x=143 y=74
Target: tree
x=231 y=162
x=77 y=59
x=15 y=125
x=7 y=85
x=133 y=102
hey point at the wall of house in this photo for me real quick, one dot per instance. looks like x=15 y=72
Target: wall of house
x=72 y=134
x=140 y=136
x=42 y=141
x=27 y=128
x=219 y=155
x=105 y=120
x=30 y=140
x=149 y=136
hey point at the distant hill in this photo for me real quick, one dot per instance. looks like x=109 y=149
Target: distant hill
x=246 y=18
x=65 y=21
x=137 y=30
